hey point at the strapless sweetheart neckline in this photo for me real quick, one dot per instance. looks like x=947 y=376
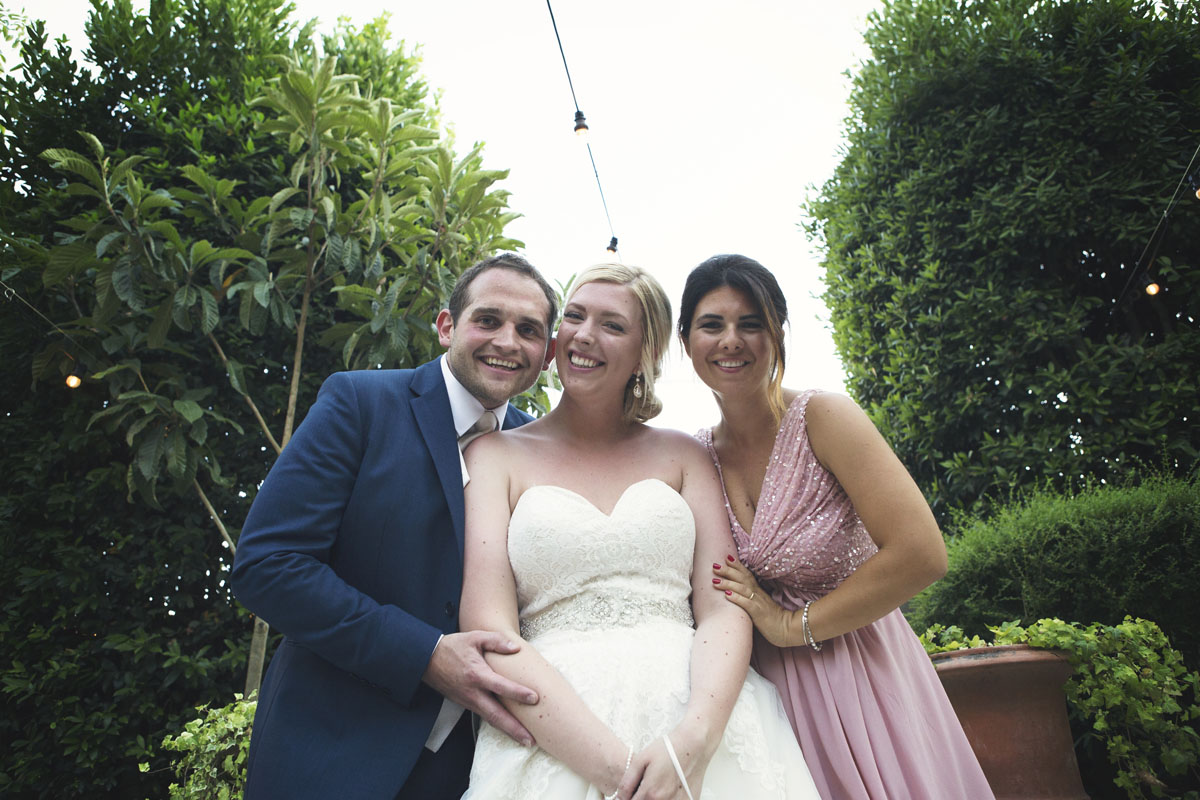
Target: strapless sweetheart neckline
x=616 y=505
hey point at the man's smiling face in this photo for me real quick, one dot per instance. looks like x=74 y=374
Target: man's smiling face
x=500 y=342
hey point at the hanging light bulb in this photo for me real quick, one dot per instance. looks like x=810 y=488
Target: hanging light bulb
x=73 y=380
x=1149 y=285
x=612 y=245
x=581 y=126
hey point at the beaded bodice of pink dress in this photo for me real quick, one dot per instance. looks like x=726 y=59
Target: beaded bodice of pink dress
x=868 y=709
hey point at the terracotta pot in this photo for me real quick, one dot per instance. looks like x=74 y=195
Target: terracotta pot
x=1010 y=701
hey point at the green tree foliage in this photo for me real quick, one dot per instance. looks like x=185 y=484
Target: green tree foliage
x=204 y=228
x=1095 y=557
x=1006 y=164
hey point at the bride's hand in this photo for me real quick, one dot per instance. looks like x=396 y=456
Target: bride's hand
x=741 y=589
x=652 y=776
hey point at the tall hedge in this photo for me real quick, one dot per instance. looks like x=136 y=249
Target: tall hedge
x=1006 y=164
x=1103 y=554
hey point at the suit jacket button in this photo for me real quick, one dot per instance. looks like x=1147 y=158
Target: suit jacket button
x=451 y=609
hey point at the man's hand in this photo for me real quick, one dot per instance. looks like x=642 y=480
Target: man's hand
x=458 y=671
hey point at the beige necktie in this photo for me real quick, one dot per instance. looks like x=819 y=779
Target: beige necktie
x=485 y=424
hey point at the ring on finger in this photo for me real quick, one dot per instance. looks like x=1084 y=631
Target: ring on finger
x=752 y=593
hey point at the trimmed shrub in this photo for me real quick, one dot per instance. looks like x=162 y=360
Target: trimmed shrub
x=1099 y=555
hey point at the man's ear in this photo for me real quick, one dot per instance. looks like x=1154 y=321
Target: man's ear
x=550 y=352
x=445 y=327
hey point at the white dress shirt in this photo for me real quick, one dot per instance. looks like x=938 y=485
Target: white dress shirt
x=466 y=410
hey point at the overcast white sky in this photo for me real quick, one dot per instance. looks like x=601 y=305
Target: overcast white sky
x=710 y=121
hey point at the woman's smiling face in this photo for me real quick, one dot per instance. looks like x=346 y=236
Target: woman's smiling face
x=729 y=343
x=600 y=337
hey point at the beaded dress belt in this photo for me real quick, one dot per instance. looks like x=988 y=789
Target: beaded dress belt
x=593 y=611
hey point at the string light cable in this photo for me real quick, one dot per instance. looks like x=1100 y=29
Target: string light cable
x=10 y=294
x=581 y=127
x=1157 y=236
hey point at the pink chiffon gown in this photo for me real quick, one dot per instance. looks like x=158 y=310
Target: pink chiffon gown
x=868 y=710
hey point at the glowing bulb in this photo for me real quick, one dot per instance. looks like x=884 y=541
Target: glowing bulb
x=73 y=381
x=581 y=126
x=1152 y=288
x=612 y=245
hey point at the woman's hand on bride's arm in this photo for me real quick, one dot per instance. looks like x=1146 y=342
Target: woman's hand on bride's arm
x=652 y=775
x=739 y=586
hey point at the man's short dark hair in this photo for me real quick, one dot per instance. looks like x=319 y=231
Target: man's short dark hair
x=460 y=298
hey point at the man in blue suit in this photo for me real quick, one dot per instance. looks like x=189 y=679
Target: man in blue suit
x=353 y=549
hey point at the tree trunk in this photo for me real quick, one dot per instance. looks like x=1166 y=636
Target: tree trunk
x=258 y=657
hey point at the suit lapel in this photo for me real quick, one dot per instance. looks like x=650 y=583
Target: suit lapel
x=431 y=407
x=514 y=418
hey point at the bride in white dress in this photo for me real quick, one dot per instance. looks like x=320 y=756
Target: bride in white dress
x=590 y=538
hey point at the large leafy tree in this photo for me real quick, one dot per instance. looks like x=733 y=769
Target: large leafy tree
x=221 y=218
x=988 y=229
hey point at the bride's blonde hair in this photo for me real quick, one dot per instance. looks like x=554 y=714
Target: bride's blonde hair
x=656 y=332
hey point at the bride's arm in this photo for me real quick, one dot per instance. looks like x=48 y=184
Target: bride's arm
x=721 y=649
x=560 y=721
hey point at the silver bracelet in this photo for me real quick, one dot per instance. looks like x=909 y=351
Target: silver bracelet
x=617 y=791
x=806 y=631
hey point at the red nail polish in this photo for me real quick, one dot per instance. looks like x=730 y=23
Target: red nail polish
x=729 y=559
x=716 y=566
x=716 y=580
x=727 y=591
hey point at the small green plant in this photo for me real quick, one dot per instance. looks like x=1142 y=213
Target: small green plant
x=214 y=747
x=1130 y=686
x=942 y=639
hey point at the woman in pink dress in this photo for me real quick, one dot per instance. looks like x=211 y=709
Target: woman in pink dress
x=832 y=536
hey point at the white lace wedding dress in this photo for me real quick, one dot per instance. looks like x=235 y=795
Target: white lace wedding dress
x=605 y=600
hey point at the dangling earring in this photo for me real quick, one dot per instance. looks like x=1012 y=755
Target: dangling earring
x=637 y=385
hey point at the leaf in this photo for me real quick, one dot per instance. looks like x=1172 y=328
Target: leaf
x=185 y=298
x=159 y=198
x=121 y=170
x=262 y=293
x=70 y=161
x=65 y=261
x=188 y=409
x=327 y=207
x=156 y=334
x=209 y=314
x=106 y=240
x=236 y=378
x=281 y=197
x=176 y=453
x=97 y=148
x=348 y=348
x=125 y=286
x=149 y=453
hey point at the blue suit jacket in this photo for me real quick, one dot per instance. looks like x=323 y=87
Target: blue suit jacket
x=353 y=550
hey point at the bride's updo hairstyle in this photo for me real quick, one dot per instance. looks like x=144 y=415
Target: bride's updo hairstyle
x=756 y=282
x=656 y=332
